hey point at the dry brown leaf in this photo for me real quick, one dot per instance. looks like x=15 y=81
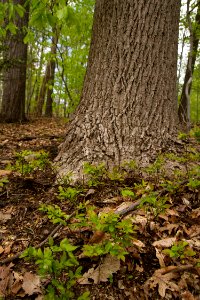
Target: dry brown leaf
x=5 y=273
x=17 y=282
x=195 y=213
x=187 y=296
x=140 y=220
x=164 y=282
x=110 y=265
x=31 y=283
x=5 y=172
x=4 y=217
x=194 y=230
x=138 y=243
x=164 y=243
x=169 y=227
x=160 y=257
x=97 y=237
x=171 y=212
x=8 y=248
x=1 y=250
x=139 y=269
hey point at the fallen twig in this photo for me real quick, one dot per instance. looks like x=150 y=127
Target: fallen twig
x=17 y=255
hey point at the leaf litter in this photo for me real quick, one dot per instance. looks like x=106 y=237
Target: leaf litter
x=145 y=273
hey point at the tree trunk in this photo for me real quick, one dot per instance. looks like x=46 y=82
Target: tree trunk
x=43 y=90
x=183 y=107
x=38 y=74
x=14 y=77
x=52 y=66
x=128 y=108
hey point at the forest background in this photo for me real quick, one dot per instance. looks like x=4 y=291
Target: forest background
x=50 y=41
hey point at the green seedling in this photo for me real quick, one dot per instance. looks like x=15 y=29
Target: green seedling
x=28 y=161
x=116 y=174
x=94 y=173
x=180 y=250
x=182 y=136
x=60 y=266
x=119 y=233
x=3 y=182
x=154 y=203
x=193 y=183
x=54 y=213
x=128 y=193
x=68 y=193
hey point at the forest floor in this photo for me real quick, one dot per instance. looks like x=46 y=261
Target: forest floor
x=135 y=232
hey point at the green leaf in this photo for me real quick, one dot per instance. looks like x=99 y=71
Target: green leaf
x=66 y=246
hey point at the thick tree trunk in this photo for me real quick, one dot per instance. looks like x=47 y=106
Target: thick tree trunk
x=183 y=107
x=128 y=108
x=14 y=77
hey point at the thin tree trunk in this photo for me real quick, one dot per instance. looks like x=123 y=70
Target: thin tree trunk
x=43 y=90
x=183 y=111
x=14 y=77
x=128 y=108
x=38 y=76
x=52 y=66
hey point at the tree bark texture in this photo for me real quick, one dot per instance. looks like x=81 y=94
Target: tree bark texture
x=128 y=108
x=14 y=77
x=183 y=107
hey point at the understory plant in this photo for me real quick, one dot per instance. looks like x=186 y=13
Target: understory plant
x=180 y=250
x=113 y=235
x=60 y=266
x=28 y=161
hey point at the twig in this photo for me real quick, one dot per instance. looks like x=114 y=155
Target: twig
x=177 y=269
x=134 y=205
x=17 y=255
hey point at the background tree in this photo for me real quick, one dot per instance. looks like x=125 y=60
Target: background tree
x=184 y=107
x=14 y=73
x=128 y=107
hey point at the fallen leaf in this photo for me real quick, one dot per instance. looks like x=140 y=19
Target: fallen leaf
x=4 y=217
x=187 y=296
x=186 y=202
x=194 y=230
x=5 y=273
x=5 y=172
x=90 y=192
x=110 y=265
x=164 y=282
x=97 y=237
x=139 y=269
x=1 y=250
x=138 y=243
x=195 y=213
x=160 y=257
x=165 y=243
x=31 y=283
x=121 y=285
x=169 y=227
x=140 y=220
x=8 y=248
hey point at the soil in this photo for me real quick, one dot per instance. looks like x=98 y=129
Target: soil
x=25 y=225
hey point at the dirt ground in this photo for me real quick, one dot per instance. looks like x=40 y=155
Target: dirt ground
x=146 y=272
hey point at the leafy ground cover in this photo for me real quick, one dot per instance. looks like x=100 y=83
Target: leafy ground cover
x=132 y=233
